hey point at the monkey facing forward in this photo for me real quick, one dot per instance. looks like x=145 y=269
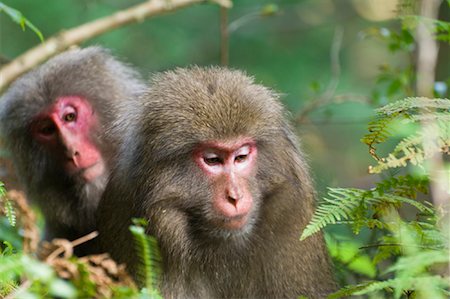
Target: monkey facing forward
x=213 y=165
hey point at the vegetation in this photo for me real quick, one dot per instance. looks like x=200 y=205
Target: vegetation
x=388 y=239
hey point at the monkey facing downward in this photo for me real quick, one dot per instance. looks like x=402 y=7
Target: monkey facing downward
x=215 y=168
x=55 y=121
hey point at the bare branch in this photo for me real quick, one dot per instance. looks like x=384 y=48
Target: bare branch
x=65 y=245
x=328 y=95
x=77 y=35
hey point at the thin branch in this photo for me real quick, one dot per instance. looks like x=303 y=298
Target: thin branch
x=327 y=96
x=62 y=249
x=77 y=35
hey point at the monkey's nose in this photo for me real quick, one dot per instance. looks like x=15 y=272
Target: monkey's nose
x=74 y=157
x=233 y=195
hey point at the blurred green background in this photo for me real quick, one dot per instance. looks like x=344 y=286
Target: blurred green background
x=288 y=50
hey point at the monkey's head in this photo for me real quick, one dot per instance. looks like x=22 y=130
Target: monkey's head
x=54 y=118
x=210 y=138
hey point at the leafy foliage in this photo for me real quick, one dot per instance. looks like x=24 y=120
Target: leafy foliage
x=417 y=248
x=402 y=242
x=350 y=205
x=411 y=272
x=411 y=149
x=96 y=276
x=148 y=252
x=7 y=205
x=17 y=17
x=408 y=247
x=37 y=277
x=440 y=28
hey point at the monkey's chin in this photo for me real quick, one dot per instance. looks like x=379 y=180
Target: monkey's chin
x=92 y=172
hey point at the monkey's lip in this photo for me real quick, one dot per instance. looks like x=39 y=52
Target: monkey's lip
x=93 y=171
x=235 y=222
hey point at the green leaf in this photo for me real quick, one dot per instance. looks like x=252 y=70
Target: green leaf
x=346 y=203
x=149 y=256
x=17 y=17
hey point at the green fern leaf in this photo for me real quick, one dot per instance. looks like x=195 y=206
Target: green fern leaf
x=149 y=256
x=408 y=284
x=8 y=206
x=342 y=204
x=413 y=105
x=411 y=149
x=350 y=290
x=417 y=109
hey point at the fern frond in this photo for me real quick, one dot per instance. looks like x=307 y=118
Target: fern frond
x=344 y=204
x=150 y=259
x=433 y=236
x=416 y=109
x=348 y=291
x=379 y=133
x=411 y=149
x=10 y=213
x=426 y=117
x=7 y=205
x=406 y=186
x=436 y=283
x=420 y=261
x=413 y=105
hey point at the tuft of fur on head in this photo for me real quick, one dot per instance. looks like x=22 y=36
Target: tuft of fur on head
x=223 y=102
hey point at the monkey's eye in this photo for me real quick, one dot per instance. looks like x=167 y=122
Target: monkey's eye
x=70 y=117
x=212 y=159
x=240 y=158
x=242 y=154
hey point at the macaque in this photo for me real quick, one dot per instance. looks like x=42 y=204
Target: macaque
x=56 y=123
x=213 y=165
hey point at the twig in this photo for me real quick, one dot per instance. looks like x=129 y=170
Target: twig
x=327 y=96
x=77 y=35
x=236 y=24
x=74 y=243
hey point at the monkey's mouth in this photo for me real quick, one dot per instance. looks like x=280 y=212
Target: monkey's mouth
x=236 y=222
x=92 y=172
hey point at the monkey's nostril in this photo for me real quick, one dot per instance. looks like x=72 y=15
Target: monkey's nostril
x=232 y=200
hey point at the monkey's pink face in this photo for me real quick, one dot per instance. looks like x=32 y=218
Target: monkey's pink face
x=65 y=130
x=228 y=167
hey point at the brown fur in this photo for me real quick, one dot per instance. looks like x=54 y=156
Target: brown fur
x=68 y=205
x=157 y=179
